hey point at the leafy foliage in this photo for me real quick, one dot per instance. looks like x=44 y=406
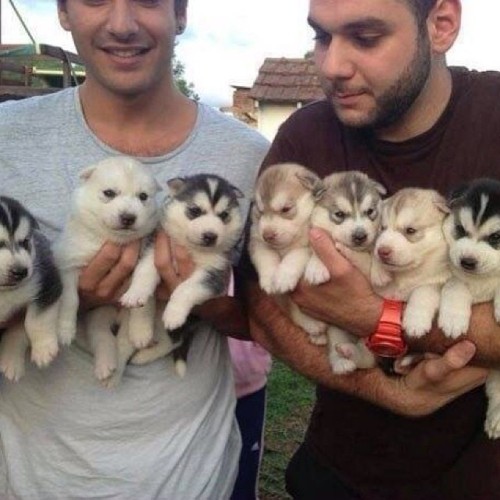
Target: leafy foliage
x=187 y=88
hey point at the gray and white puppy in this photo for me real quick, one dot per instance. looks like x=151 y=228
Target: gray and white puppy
x=350 y=211
x=472 y=231
x=115 y=202
x=202 y=214
x=28 y=279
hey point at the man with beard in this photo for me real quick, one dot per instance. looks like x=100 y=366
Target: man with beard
x=397 y=112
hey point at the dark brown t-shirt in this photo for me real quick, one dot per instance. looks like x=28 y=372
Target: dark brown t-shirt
x=386 y=456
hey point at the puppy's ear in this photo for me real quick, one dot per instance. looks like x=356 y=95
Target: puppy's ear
x=237 y=192
x=86 y=173
x=456 y=195
x=379 y=188
x=176 y=185
x=312 y=183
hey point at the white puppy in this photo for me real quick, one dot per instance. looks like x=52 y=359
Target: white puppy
x=115 y=202
x=473 y=234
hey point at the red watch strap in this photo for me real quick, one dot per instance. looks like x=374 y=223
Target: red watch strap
x=387 y=340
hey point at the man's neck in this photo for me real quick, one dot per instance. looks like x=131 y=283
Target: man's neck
x=146 y=125
x=426 y=110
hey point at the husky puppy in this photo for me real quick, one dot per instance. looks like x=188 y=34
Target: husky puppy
x=202 y=214
x=472 y=231
x=115 y=202
x=349 y=211
x=28 y=278
x=410 y=256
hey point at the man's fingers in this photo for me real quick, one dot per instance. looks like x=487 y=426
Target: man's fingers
x=455 y=358
x=324 y=248
x=107 y=256
x=163 y=256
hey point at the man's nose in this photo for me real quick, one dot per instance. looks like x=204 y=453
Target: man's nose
x=122 y=19
x=337 y=61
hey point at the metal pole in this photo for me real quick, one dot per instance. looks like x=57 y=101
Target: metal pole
x=22 y=21
x=0 y=21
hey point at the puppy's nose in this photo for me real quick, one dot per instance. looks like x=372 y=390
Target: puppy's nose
x=468 y=263
x=18 y=273
x=359 y=237
x=269 y=235
x=384 y=252
x=127 y=219
x=208 y=239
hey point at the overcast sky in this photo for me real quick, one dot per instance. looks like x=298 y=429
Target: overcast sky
x=227 y=40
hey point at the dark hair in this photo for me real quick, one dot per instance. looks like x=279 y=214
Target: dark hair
x=421 y=9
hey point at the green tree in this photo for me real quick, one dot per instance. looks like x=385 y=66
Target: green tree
x=187 y=88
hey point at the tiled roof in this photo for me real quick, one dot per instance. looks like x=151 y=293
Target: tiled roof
x=287 y=80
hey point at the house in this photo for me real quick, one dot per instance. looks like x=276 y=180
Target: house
x=282 y=86
x=243 y=107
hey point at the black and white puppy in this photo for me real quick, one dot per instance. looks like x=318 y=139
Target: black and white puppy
x=28 y=279
x=472 y=231
x=202 y=214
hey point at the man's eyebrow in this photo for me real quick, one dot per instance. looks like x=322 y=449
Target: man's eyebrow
x=365 y=23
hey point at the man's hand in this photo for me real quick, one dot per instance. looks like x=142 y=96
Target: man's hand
x=174 y=264
x=347 y=300
x=106 y=277
x=436 y=381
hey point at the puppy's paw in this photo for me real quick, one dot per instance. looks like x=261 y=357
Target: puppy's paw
x=416 y=323
x=492 y=423
x=66 y=333
x=174 y=316
x=318 y=339
x=316 y=272
x=141 y=338
x=340 y=365
x=453 y=322
x=44 y=351
x=284 y=281
x=266 y=283
x=133 y=298
x=104 y=369
x=12 y=367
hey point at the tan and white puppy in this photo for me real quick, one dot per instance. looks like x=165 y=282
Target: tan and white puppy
x=285 y=195
x=410 y=256
x=472 y=231
x=115 y=202
x=349 y=211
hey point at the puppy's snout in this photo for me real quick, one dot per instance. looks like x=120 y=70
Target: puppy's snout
x=468 y=263
x=269 y=235
x=384 y=252
x=359 y=237
x=209 y=239
x=18 y=273
x=127 y=219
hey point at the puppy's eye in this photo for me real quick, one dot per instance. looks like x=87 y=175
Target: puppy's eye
x=370 y=212
x=494 y=239
x=224 y=216
x=460 y=231
x=109 y=193
x=25 y=243
x=339 y=214
x=143 y=196
x=410 y=230
x=286 y=209
x=194 y=212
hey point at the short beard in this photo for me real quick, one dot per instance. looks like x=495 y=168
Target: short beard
x=393 y=104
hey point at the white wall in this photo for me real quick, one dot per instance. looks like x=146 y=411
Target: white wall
x=271 y=116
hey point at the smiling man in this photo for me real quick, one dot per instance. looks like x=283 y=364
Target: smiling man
x=397 y=112
x=155 y=436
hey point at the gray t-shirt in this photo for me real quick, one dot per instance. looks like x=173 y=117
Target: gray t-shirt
x=63 y=436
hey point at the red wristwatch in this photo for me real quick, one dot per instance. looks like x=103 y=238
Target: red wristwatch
x=387 y=341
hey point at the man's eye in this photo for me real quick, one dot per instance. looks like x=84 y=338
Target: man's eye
x=322 y=37
x=366 y=41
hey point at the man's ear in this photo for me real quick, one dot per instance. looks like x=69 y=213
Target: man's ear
x=443 y=24
x=62 y=12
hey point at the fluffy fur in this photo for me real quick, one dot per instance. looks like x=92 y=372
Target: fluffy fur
x=473 y=234
x=201 y=214
x=350 y=212
x=28 y=278
x=115 y=202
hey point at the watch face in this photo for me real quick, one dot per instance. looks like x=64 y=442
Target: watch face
x=387 y=348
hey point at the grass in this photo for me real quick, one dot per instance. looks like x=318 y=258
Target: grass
x=289 y=403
